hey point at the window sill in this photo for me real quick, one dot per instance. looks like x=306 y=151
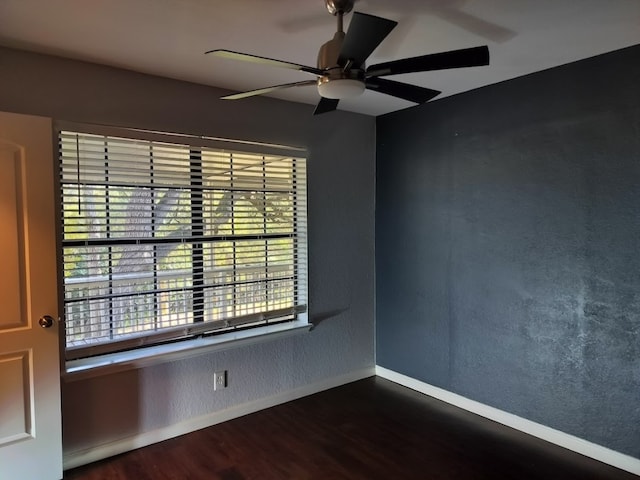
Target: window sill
x=144 y=357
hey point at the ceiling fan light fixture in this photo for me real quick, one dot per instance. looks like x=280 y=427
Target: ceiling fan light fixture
x=340 y=88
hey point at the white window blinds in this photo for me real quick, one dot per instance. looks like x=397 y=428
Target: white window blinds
x=163 y=241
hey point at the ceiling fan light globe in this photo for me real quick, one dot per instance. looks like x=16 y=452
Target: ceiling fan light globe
x=341 y=88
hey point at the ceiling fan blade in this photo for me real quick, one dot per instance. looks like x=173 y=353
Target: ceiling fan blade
x=245 y=57
x=260 y=91
x=412 y=93
x=467 y=57
x=326 y=105
x=365 y=33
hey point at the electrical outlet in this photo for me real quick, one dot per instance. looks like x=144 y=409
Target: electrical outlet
x=220 y=380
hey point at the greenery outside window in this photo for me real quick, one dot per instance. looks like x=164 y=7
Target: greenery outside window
x=163 y=241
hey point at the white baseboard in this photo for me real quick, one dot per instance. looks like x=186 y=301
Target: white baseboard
x=93 y=454
x=565 y=440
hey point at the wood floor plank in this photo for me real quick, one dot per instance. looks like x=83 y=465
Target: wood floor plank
x=371 y=429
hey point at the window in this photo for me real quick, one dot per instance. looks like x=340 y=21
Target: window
x=164 y=241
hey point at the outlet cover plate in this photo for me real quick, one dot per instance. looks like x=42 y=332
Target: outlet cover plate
x=220 y=380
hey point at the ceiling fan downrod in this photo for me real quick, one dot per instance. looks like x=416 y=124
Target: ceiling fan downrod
x=339 y=8
x=329 y=52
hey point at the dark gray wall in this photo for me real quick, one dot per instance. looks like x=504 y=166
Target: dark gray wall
x=341 y=181
x=508 y=247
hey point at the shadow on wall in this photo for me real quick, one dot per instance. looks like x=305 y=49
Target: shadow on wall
x=318 y=318
x=92 y=409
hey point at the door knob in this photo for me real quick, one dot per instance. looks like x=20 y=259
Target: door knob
x=46 y=321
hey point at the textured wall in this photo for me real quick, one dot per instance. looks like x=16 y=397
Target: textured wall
x=341 y=240
x=507 y=240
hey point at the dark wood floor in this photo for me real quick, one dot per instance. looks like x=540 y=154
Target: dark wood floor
x=371 y=429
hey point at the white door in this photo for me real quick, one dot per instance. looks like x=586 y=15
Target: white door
x=30 y=418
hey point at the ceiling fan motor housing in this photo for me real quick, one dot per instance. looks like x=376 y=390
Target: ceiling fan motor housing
x=345 y=81
x=328 y=60
x=329 y=52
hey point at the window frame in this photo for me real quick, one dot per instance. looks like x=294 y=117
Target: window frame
x=190 y=336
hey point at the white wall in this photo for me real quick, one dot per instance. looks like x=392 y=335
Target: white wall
x=341 y=178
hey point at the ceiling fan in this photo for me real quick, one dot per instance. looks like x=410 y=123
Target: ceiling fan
x=341 y=71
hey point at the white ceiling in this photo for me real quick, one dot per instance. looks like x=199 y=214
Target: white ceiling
x=169 y=37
